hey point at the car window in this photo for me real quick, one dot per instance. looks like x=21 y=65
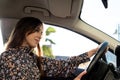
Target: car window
x=105 y=19
x=69 y=43
x=111 y=58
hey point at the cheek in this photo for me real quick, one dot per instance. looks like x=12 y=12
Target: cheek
x=30 y=41
x=29 y=38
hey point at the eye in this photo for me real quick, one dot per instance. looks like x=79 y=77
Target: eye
x=36 y=30
x=41 y=32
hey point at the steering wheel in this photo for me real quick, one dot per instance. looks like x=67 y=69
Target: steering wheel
x=99 y=53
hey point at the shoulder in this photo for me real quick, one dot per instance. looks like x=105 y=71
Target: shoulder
x=10 y=55
x=14 y=56
x=6 y=55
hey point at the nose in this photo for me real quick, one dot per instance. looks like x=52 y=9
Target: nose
x=39 y=35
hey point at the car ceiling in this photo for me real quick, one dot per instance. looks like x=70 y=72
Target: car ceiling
x=40 y=8
x=58 y=12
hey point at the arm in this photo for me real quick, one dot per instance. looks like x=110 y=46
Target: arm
x=64 y=68
x=92 y=52
x=80 y=75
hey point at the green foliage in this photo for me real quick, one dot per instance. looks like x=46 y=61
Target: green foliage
x=49 y=41
x=47 y=49
x=49 y=31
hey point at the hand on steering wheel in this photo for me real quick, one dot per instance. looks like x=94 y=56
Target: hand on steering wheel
x=102 y=49
x=100 y=52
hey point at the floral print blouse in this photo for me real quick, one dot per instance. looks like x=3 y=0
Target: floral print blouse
x=21 y=64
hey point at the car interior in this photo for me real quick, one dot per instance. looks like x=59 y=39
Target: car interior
x=65 y=14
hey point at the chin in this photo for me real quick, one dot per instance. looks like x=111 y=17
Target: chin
x=33 y=46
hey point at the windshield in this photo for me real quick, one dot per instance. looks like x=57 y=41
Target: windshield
x=105 y=19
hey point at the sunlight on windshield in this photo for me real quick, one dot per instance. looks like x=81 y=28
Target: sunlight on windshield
x=107 y=20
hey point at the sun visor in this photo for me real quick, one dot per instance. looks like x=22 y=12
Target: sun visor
x=60 y=8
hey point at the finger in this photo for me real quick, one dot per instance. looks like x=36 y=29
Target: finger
x=81 y=74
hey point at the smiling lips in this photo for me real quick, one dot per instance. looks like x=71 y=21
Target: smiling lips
x=37 y=40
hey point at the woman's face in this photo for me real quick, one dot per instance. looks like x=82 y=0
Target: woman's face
x=33 y=39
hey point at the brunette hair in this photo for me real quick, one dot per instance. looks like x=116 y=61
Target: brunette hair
x=24 y=25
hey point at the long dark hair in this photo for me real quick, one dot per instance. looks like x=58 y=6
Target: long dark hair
x=24 y=25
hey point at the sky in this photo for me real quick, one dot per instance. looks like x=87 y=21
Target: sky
x=105 y=19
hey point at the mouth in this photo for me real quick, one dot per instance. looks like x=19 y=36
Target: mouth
x=37 y=40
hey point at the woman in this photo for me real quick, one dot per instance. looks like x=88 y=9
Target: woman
x=18 y=61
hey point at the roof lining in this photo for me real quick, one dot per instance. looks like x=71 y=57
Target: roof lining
x=60 y=11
